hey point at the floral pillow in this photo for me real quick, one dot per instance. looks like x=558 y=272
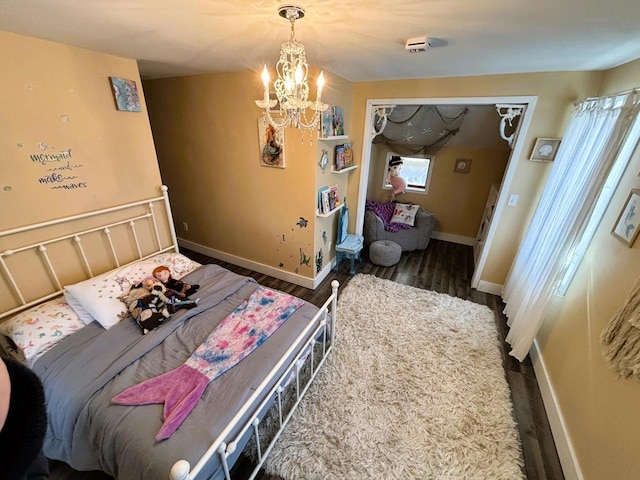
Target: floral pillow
x=97 y=297
x=38 y=329
x=405 y=213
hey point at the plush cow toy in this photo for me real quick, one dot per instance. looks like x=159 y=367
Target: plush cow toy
x=148 y=304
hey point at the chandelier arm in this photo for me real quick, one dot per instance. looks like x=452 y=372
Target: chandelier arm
x=286 y=119
x=309 y=125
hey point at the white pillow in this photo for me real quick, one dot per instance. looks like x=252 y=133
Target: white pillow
x=97 y=297
x=405 y=213
x=38 y=329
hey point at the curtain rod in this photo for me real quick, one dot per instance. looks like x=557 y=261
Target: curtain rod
x=631 y=90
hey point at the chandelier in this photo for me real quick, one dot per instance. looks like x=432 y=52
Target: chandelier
x=291 y=86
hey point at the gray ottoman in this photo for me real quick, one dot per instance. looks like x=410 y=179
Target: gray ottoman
x=385 y=253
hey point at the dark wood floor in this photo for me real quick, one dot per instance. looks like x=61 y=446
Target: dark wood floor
x=446 y=268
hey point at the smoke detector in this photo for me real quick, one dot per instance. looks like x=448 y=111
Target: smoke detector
x=418 y=44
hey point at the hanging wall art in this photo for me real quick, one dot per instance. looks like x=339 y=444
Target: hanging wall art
x=125 y=94
x=271 y=142
x=626 y=227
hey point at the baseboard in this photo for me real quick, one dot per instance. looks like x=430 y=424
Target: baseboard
x=492 y=288
x=450 y=237
x=566 y=453
x=255 y=266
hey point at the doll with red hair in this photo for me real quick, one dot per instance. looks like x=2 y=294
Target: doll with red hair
x=182 y=289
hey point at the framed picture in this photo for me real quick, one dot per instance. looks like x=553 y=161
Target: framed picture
x=125 y=94
x=545 y=149
x=462 y=165
x=626 y=227
x=271 y=142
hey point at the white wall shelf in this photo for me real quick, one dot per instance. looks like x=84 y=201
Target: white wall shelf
x=328 y=214
x=343 y=170
x=334 y=137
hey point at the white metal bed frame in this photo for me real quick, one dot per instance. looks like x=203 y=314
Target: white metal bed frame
x=42 y=246
x=317 y=339
x=306 y=352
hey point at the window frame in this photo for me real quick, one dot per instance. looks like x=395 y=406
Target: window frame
x=413 y=189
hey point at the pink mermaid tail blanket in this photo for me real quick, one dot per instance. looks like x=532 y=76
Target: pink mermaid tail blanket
x=239 y=334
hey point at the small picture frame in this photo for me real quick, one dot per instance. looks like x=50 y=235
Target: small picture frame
x=271 y=142
x=627 y=225
x=462 y=165
x=125 y=94
x=545 y=150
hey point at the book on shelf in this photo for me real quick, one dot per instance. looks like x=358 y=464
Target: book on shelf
x=321 y=198
x=339 y=154
x=344 y=156
x=329 y=199
x=348 y=155
x=326 y=124
x=333 y=197
x=338 y=120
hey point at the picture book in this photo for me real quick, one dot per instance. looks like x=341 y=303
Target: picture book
x=329 y=199
x=326 y=125
x=321 y=191
x=338 y=121
x=339 y=160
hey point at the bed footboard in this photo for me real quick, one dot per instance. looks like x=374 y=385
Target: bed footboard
x=321 y=329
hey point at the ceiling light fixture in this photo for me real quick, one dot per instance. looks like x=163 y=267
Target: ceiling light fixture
x=291 y=86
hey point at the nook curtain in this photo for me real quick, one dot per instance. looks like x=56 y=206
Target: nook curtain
x=597 y=128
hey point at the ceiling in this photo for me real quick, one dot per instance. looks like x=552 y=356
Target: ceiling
x=360 y=40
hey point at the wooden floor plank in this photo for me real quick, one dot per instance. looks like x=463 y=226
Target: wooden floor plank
x=440 y=267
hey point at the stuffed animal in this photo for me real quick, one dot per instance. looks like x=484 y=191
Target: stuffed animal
x=182 y=289
x=148 y=304
x=398 y=184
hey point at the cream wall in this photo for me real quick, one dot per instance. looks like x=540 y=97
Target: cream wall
x=600 y=411
x=456 y=200
x=56 y=100
x=206 y=131
x=555 y=91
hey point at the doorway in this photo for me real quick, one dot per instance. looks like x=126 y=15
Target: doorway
x=528 y=105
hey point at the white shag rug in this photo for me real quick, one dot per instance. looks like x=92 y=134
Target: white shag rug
x=414 y=389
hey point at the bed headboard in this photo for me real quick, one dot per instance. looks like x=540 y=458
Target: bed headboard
x=37 y=261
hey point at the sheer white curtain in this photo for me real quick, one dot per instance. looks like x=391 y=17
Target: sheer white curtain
x=594 y=135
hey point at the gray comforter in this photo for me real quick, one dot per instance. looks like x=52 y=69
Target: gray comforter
x=84 y=371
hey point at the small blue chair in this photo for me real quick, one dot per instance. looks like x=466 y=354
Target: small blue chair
x=348 y=245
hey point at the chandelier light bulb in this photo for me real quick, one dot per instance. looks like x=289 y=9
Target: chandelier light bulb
x=299 y=75
x=320 y=84
x=265 y=76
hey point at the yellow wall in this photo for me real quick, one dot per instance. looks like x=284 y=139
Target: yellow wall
x=456 y=200
x=206 y=131
x=57 y=100
x=337 y=92
x=59 y=122
x=555 y=91
x=601 y=412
